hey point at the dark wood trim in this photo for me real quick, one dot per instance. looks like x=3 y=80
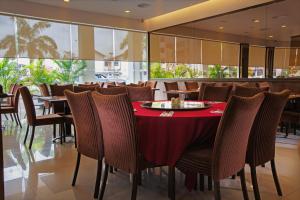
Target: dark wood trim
x=226 y=13
x=230 y=79
x=244 y=60
x=269 y=62
x=1 y=163
x=148 y=51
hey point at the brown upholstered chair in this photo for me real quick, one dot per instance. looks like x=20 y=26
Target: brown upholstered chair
x=85 y=88
x=109 y=84
x=263 y=85
x=171 y=86
x=150 y=83
x=14 y=107
x=261 y=146
x=216 y=93
x=121 y=143
x=9 y=99
x=120 y=83
x=45 y=93
x=58 y=90
x=34 y=120
x=202 y=88
x=142 y=83
x=88 y=131
x=192 y=85
x=89 y=85
x=112 y=90
x=228 y=154
x=248 y=91
x=140 y=93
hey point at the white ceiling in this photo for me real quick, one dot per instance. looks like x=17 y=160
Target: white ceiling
x=117 y=7
x=271 y=17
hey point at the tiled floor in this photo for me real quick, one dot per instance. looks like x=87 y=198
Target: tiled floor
x=46 y=173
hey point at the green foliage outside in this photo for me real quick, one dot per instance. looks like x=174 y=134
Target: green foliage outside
x=178 y=71
x=69 y=70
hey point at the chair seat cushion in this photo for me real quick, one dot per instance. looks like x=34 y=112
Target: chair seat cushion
x=8 y=109
x=196 y=160
x=49 y=119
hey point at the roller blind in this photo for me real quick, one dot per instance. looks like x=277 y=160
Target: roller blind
x=162 y=48
x=188 y=51
x=230 y=54
x=281 y=58
x=130 y=46
x=43 y=39
x=211 y=52
x=257 y=56
x=86 y=50
x=7 y=37
x=103 y=44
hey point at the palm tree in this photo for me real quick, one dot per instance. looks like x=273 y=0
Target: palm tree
x=30 y=40
x=69 y=70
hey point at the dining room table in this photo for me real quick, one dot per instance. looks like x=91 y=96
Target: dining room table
x=164 y=137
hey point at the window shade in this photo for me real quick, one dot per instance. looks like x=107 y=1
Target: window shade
x=86 y=50
x=103 y=44
x=7 y=37
x=230 y=54
x=211 y=52
x=257 y=56
x=281 y=58
x=188 y=51
x=43 y=39
x=162 y=48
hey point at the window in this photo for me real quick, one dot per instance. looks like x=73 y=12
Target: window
x=257 y=57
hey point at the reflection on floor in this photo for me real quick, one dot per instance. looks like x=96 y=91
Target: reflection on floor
x=46 y=172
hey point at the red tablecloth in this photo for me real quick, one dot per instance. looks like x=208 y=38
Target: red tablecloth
x=164 y=139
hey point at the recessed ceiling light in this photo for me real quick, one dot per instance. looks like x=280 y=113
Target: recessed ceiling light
x=66 y=1
x=283 y=26
x=221 y=27
x=255 y=20
x=127 y=11
x=271 y=36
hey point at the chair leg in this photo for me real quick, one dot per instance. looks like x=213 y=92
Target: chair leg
x=275 y=177
x=76 y=169
x=139 y=177
x=134 y=186
x=217 y=191
x=32 y=136
x=75 y=137
x=209 y=183
x=11 y=117
x=25 y=138
x=171 y=183
x=98 y=178
x=44 y=109
x=5 y=116
x=54 y=131
x=102 y=190
x=254 y=183
x=201 y=182
x=19 y=119
x=243 y=184
x=15 y=118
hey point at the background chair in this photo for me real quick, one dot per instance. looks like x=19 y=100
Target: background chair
x=248 y=91
x=216 y=93
x=202 y=88
x=112 y=90
x=228 y=154
x=171 y=86
x=58 y=90
x=150 y=83
x=45 y=93
x=34 y=120
x=261 y=145
x=140 y=93
x=88 y=132
x=85 y=88
x=192 y=85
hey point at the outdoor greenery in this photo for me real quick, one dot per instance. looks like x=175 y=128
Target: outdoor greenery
x=69 y=70
x=175 y=71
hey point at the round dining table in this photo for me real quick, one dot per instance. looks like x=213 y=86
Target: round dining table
x=163 y=138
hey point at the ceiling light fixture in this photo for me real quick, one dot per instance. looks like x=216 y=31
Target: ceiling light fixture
x=255 y=20
x=127 y=11
x=221 y=27
x=283 y=26
x=67 y=1
x=271 y=36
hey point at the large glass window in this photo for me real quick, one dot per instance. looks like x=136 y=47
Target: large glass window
x=7 y=37
x=257 y=57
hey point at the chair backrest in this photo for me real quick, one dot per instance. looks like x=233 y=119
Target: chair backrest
x=118 y=128
x=202 y=88
x=58 y=90
x=140 y=93
x=16 y=97
x=191 y=85
x=247 y=91
x=85 y=88
x=44 y=90
x=28 y=103
x=109 y=84
x=120 y=83
x=150 y=83
x=231 y=140
x=171 y=86
x=112 y=90
x=216 y=93
x=261 y=146
x=263 y=84
x=89 y=85
x=142 y=83
x=87 y=124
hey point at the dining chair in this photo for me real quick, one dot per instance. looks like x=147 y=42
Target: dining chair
x=171 y=86
x=142 y=83
x=151 y=83
x=248 y=91
x=202 y=88
x=9 y=99
x=88 y=132
x=45 y=93
x=112 y=90
x=140 y=93
x=216 y=93
x=33 y=120
x=109 y=84
x=121 y=142
x=89 y=85
x=121 y=83
x=228 y=154
x=263 y=85
x=58 y=90
x=13 y=109
x=85 y=88
x=261 y=145
x=192 y=85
